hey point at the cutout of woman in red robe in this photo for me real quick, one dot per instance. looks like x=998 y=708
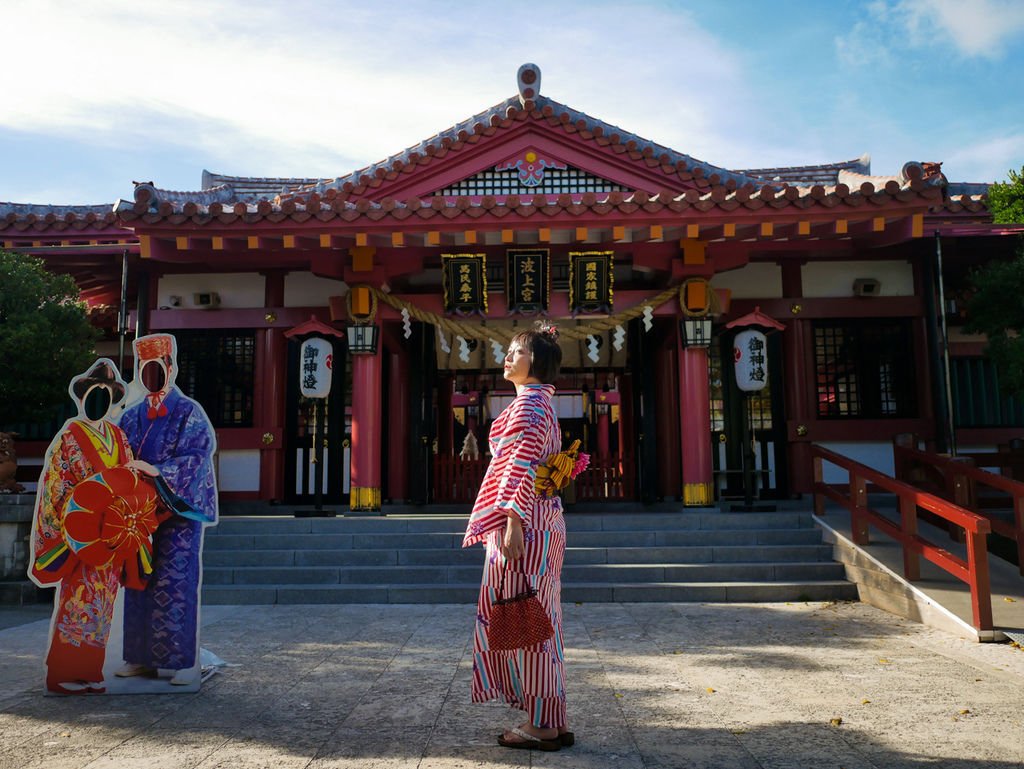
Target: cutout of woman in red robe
x=81 y=549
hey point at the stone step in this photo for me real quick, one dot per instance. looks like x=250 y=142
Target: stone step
x=453 y=541
x=806 y=548
x=682 y=592
x=571 y=575
x=456 y=524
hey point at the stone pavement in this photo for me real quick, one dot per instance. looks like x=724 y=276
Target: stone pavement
x=735 y=686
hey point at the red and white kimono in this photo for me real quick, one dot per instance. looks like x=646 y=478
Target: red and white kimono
x=523 y=436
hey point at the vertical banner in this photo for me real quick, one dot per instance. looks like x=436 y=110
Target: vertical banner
x=527 y=280
x=590 y=281
x=465 y=283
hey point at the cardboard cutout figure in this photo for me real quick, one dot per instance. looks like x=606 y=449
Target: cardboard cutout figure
x=173 y=443
x=91 y=529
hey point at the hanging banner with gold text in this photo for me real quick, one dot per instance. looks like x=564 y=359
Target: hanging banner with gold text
x=465 y=283
x=527 y=281
x=590 y=281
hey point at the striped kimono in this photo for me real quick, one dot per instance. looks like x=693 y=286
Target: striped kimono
x=521 y=438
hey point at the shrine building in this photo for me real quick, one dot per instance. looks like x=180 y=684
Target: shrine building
x=419 y=269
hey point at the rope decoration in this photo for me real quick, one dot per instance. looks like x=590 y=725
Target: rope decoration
x=484 y=333
x=712 y=304
x=373 y=306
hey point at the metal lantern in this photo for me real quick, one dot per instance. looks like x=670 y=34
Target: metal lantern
x=362 y=338
x=696 y=331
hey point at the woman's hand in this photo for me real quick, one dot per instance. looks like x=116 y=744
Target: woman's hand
x=512 y=543
x=143 y=466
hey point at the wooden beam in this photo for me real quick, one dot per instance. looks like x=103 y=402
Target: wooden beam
x=289 y=241
x=729 y=230
x=581 y=234
x=470 y=236
x=692 y=231
x=325 y=240
x=657 y=233
x=767 y=229
x=842 y=226
x=694 y=251
x=362 y=240
x=217 y=242
x=397 y=239
x=917 y=226
x=183 y=242
x=803 y=228
x=362 y=258
x=434 y=238
x=145 y=246
x=252 y=241
x=544 y=235
x=508 y=237
x=878 y=224
x=619 y=234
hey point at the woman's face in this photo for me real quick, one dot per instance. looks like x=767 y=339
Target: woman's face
x=96 y=403
x=517 y=364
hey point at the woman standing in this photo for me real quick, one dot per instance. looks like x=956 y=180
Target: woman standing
x=525 y=537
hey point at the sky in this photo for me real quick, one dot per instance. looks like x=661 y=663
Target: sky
x=100 y=93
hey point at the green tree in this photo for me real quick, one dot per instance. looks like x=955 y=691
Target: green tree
x=1006 y=199
x=997 y=308
x=45 y=338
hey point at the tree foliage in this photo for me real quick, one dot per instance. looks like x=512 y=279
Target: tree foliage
x=997 y=310
x=1006 y=199
x=45 y=338
x=997 y=307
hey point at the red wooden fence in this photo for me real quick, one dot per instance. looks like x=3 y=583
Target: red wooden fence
x=973 y=570
x=607 y=479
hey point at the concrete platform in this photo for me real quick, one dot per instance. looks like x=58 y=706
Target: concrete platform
x=938 y=599
x=655 y=686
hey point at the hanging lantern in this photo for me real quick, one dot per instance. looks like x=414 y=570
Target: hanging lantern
x=749 y=351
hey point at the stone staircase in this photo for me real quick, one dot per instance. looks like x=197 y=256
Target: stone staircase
x=704 y=556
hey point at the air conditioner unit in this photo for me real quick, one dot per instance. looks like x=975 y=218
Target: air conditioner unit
x=206 y=300
x=867 y=287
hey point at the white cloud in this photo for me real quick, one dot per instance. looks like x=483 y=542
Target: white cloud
x=989 y=159
x=977 y=28
x=315 y=88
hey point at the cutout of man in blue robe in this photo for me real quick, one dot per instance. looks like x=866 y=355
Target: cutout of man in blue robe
x=173 y=441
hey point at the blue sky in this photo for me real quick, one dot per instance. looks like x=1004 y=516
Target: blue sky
x=102 y=93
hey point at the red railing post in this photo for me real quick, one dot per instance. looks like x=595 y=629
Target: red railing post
x=819 y=478
x=908 y=524
x=981 y=589
x=1018 y=520
x=858 y=508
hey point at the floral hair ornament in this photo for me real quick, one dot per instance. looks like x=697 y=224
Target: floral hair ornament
x=548 y=329
x=555 y=474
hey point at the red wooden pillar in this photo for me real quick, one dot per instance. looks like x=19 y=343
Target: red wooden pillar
x=669 y=486
x=695 y=427
x=398 y=425
x=800 y=389
x=366 y=432
x=269 y=395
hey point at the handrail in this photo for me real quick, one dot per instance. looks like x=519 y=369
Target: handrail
x=956 y=474
x=973 y=570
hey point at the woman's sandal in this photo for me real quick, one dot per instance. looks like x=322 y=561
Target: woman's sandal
x=528 y=741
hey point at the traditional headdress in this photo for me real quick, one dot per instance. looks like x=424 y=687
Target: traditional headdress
x=154 y=347
x=101 y=373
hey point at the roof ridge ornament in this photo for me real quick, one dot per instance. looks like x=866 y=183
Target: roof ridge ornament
x=528 y=82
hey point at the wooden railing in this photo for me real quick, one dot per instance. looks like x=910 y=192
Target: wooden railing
x=607 y=479
x=959 y=480
x=457 y=480
x=973 y=571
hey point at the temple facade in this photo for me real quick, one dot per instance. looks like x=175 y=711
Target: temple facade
x=417 y=271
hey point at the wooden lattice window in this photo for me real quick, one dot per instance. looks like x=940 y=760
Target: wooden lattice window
x=864 y=369
x=218 y=370
x=555 y=182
